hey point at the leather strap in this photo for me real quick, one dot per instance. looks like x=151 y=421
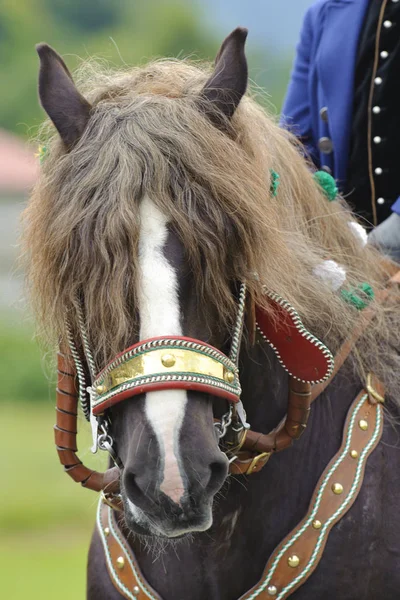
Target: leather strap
x=121 y=563
x=65 y=432
x=298 y=555
x=258 y=447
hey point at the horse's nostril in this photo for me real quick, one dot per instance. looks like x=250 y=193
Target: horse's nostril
x=218 y=473
x=134 y=490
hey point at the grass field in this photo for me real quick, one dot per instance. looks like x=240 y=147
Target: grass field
x=45 y=518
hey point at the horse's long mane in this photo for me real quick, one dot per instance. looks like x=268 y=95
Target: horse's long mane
x=149 y=133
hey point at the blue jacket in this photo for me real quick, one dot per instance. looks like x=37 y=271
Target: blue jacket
x=323 y=76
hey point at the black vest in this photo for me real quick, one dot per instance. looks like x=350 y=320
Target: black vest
x=374 y=160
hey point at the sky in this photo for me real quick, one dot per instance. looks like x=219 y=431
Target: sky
x=272 y=23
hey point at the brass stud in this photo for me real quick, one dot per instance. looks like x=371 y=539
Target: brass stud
x=363 y=424
x=293 y=561
x=354 y=454
x=106 y=531
x=136 y=590
x=120 y=562
x=168 y=360
x=229 y=377
x=272 y=590
x=337 y=488
x=317 y=524
x=100 y=389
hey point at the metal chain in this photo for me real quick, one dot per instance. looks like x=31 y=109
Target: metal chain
x=105 y=442
x=80 y=373
x=238 y=331
x=224 y=423
x=85 y=340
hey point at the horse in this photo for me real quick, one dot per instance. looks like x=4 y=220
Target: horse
x=183 y=254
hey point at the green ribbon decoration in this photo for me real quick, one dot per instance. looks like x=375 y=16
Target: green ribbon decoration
x=359 y=296
x=275 y=177
x=327 y=184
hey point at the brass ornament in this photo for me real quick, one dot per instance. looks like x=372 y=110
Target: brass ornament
x=272 y=590
x=159 y=361
x=293 y=561
x=363 y=424
x=337 y=488
x=120 y=562
x=106 y=531
x=229 y=377
x=354 y=454
x=168 y=360
x=317 y=524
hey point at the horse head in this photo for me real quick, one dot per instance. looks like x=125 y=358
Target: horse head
x=166 y=438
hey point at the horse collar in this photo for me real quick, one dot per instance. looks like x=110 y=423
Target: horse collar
x=298 y=555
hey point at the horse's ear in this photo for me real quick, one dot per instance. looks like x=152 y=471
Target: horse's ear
x=227 y=85
x=66 y=107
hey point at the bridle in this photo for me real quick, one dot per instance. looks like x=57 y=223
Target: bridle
x=302 y=355
x=173 y=362
x=177 y=362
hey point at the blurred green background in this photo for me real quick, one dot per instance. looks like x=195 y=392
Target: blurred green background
x=46 y=519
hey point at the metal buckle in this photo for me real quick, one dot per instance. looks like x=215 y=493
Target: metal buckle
x=108 y=499
x=255 y=461
x=372 y=391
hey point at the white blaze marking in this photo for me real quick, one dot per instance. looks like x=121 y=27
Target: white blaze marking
x=160 y=316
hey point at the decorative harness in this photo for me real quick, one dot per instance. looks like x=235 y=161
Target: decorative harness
x=184 y=363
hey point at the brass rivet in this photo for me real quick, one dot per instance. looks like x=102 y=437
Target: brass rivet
x=293 y=561
x=272 y=590
x=337 y=488
x=229 y=377
x=120 y=562
x=136 y=590
x=354 y=454
x=168 y=360
x=363 y=424
x=107 y=531
x=317 y=524
x=100 y=389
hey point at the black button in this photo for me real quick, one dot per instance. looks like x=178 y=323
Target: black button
x=325 y=144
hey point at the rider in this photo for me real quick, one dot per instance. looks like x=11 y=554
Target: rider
x=343 y=102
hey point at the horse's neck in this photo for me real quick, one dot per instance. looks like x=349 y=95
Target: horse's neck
x=252 y=515
x=264 y=387
x=265 y=395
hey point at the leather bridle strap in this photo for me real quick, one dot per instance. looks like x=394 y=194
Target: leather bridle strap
x=122 y=566
x=298 y=555
x=65 y=432
x=257 y=447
